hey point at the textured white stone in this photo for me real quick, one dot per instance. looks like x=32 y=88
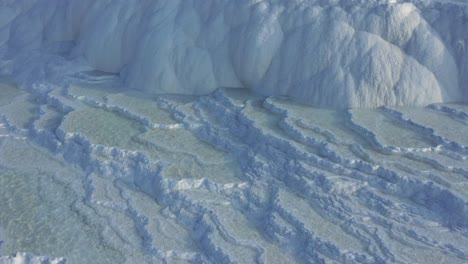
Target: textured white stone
x=329 y=53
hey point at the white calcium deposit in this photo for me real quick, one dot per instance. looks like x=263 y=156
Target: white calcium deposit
x=169 y=131
x=330 y=53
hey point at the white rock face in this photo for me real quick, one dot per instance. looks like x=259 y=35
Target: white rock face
x=25 y=258
x=329 y=53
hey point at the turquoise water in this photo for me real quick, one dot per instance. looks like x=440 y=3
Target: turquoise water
x=97 y=176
